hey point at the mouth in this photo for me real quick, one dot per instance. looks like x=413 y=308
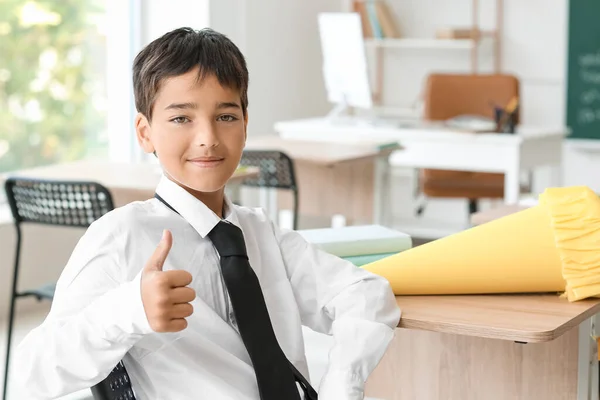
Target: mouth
x=207 y=162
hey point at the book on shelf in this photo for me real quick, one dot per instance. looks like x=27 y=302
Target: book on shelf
x=376 y=19
x=456 y=33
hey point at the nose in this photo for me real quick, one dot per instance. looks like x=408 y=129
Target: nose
x=206 y=135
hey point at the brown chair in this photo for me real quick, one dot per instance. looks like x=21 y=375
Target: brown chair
x=451 y=95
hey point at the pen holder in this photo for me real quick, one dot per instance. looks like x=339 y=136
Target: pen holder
x=505 y=121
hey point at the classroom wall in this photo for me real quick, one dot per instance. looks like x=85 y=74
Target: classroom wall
x=281 y=44
x=159 y=16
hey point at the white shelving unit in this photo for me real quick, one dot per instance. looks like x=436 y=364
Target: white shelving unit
x=430 y=43
x=473 y=45
x=465 y=44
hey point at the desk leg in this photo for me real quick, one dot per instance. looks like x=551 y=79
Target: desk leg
x=512 y=185
x=268 y=201
x=595 y=368
x=587 y=370
x=381 y=192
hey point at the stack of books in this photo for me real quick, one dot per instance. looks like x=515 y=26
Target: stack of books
x=359 y=244
x=376 y=19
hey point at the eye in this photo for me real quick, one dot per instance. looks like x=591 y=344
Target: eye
x=227 y=118
x=180 y=120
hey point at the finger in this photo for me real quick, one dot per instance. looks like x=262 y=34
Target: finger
x=178 y=278
x=182 y=295
x=177 y=325
x=157 y=260
x=181 y=311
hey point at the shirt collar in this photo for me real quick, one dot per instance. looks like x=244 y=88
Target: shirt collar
x=195 y=212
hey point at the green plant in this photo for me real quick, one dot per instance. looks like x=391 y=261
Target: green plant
x=52 y=82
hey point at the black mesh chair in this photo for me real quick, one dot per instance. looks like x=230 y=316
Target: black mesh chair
x=58 y=203
x=276 y=171
x=116 y=386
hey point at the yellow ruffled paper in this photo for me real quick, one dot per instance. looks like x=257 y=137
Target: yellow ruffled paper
x=574 y=214
x=552 y=247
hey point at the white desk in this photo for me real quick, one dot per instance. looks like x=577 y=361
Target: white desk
x=433 y=146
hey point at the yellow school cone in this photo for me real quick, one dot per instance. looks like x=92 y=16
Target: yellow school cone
x=552 y=247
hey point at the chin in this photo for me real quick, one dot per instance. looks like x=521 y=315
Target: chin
x=204 y=186
x=206 y=181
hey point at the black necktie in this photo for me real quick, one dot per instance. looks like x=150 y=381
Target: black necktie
x=276 y=376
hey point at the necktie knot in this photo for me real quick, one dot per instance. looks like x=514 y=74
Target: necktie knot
x=228 y=239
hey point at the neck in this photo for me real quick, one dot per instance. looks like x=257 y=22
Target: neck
x=213 y=200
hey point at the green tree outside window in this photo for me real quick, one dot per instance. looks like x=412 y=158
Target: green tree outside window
x=52 y=82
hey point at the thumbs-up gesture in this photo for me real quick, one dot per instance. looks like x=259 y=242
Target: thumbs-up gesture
x=165 y=294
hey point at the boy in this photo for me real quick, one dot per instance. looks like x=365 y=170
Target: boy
x=168 y=310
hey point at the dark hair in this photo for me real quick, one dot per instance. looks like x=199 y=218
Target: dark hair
x=180 y=51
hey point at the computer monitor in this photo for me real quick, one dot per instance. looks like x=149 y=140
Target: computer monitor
x=344 y=61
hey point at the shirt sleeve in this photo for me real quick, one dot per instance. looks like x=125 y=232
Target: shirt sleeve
x=355 y=306
x=95 y=318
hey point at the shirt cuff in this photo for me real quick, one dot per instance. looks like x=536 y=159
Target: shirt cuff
x=341 y=385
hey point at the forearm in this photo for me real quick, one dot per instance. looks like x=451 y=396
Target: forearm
x=353 y=357
x=366 y=316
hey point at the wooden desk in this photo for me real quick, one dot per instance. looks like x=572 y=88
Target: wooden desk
x=127 y=181
x=335 y=178
x=483 y=217
x=434 y=146
x=490 y=347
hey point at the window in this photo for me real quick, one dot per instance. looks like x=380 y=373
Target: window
x=64 y=78
x=58 y=63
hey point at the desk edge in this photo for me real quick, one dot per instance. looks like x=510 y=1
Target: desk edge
x=499 y=333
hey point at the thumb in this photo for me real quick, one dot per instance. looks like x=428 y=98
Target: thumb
x=157 y=260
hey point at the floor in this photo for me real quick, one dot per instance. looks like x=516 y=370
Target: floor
x=317 y=348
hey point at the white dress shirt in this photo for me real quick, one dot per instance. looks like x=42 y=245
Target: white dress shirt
x=97 y=316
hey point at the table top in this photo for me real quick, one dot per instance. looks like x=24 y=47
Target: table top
x=482 y=217
x=518 y=317
x=324 y=129
x=324 y=153
x=137 y=176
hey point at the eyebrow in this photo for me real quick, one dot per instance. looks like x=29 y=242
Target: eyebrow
x=184 y=106
x=226 y=104
x=181 y=106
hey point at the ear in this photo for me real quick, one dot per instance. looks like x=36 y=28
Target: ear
x=142 y=132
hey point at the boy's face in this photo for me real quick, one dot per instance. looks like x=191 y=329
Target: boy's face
x=198 y=131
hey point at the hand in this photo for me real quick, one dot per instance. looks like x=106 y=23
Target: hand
x=165 y=294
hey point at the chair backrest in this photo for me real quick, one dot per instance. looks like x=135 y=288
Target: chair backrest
x=116 y=386
x=276 y=169
x=75 y=204
x=451 y=95
x=51 y=202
